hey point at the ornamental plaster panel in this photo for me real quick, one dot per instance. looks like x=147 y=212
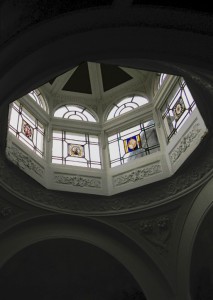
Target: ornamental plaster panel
x=23 y=160
x=78 y=181
x=136 y=175
x=191 y=138
x=157 y=231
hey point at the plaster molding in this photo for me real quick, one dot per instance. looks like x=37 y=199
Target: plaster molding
x=137 y=175
x=193 y=136
x=157 y=231
x=23 y=161
x=6 y=212
x=77 y=180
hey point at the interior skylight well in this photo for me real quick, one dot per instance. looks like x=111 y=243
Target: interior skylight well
x=98 y=142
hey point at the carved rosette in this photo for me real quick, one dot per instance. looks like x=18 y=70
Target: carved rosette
x=156 y=230
x=23 y=161
x=77 y=180
x=193 y=136
x=136 y=175
x=6 y=212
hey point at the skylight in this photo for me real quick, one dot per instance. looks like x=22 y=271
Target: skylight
x=74 y=112
x=126 y=105
x=97 y=144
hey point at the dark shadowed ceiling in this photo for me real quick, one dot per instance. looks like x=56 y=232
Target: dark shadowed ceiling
x=66 y=269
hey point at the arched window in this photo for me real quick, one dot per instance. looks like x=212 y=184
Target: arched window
x=74 y=112
x=26 y=128
x=126 y=105
x=161 y=80
x=38 y=98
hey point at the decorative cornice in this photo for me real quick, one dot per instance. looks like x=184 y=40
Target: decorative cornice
x=23 y=161
x=78 y=180
x=137 y=175
x=192 y=136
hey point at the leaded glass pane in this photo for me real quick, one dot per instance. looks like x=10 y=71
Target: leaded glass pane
x=126 y=105
x=177 y=108
x=76 y=149
x=26 y=128
x=74 y=112
x=133 y=143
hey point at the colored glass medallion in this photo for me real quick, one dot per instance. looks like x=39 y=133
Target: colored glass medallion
x=76 y=150
x=27 y=130
x=179 y=109
x=133 y=143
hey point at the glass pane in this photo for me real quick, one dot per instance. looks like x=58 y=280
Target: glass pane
x=132 y=143
x=57 y=134
x=76 y=149
x=76 y=117
x=26 y=128
x=112 y=113
x=94 y=153
x=14 y=118
x=70 y=111
x=57 y=148
x=124 y=101
x=60 y=112
x=140 y=100
x=125 y=110
x=74 y=108
x=89 y=116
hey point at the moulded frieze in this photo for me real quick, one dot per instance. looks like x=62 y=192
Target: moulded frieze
x=193 y=136
x=23 y=160
x=78 y=180
x=136 y=175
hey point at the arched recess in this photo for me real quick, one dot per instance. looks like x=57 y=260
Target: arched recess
x=139 y=265
x=195 y=219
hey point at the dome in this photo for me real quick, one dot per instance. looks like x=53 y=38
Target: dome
x=104 y=129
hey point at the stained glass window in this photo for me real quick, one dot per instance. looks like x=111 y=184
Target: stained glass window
x=26 y=128
x=38 y=98
x=76 y=149
x=126 y=105
x=133 y=143
x=74 y=112
x=177 y=108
